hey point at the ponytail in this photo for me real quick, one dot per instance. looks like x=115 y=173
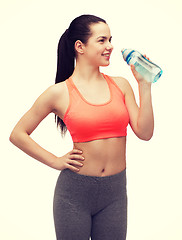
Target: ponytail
x=79 y=29
x=65 y=68
x=65 y=58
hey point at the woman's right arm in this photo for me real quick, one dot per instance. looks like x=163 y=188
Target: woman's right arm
x=20 y=136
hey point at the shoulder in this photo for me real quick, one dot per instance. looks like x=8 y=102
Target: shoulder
x=123 y=84
x=52 y=95
x=54 y=91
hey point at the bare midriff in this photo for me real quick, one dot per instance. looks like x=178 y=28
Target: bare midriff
x=103 y=157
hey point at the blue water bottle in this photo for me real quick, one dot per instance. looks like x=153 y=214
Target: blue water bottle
x=150 y=71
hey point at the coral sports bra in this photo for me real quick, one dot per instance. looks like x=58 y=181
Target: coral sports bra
x=87 y=122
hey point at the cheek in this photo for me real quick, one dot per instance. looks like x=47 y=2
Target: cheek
x=95 y=54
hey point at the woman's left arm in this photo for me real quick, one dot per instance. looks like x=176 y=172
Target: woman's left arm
x=141 y=118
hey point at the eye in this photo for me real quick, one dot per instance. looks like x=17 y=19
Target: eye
x=101 y=40
x=104 y=39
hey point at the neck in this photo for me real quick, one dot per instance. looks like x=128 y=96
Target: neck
x=86 y=72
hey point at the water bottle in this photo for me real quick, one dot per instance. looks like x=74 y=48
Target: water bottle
x=150 y=71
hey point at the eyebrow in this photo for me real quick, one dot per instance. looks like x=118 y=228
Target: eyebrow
x=104 y=37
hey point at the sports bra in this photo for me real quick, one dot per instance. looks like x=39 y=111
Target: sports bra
x=87 y=122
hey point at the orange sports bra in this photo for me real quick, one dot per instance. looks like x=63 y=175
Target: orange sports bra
x=87 y=122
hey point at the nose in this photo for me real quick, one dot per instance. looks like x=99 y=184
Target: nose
x=109 y=47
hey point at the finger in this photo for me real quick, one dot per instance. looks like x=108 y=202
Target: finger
x=146 y=57
x=78 y=157
x=72 y=168
x=74 y=162
x=133 y=68
x=76 y=151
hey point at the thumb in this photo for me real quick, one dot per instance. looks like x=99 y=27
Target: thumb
x=135 y=73
x=132 y=68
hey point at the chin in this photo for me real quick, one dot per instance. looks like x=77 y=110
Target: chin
x=105 y=64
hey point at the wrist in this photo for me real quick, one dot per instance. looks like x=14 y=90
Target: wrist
x=144 y=84
x=53 y=162
x=144 y=89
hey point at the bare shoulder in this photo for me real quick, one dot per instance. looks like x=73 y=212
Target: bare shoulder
x=58 y=98
x=122 y=83
x=51 y=96
x=54 y=93
x=56 y=90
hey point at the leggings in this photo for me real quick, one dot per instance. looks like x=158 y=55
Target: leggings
x=90 y=206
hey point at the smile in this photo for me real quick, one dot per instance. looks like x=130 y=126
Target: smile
x=106 y=55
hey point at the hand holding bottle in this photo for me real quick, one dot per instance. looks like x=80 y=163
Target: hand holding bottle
x=146 y=70
x=137 y=75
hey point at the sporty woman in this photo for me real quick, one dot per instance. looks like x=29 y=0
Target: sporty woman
x=90 y=196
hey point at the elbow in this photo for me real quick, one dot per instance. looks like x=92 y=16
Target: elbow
x=145 y=135
x=146 y=138
x=144 y=132
x=12 y=137
x=15 y=136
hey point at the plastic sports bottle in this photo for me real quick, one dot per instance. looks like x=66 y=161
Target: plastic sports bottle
x=150 y=71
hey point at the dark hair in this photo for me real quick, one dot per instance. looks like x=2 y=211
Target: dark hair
x=79 y=29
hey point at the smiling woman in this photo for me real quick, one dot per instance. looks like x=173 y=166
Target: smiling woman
x=96 y=109
x=98 y=48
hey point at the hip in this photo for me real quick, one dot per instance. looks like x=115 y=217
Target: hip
x=90 y=192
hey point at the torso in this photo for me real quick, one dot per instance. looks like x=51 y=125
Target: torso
x=103 y=157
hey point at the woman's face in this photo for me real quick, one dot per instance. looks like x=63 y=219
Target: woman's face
x=98 y=49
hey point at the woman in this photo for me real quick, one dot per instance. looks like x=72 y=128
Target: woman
x=90 y=196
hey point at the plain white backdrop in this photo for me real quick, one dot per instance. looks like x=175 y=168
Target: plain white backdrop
x=30 y=31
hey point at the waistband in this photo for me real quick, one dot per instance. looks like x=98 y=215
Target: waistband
x=94 y=179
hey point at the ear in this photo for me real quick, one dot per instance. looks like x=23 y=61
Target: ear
x=79 y=47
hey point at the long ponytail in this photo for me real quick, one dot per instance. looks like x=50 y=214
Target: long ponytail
x=65 y=68
x=65 y=58
x=79 y=29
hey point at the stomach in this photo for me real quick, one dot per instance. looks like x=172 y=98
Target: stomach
x=103 y=157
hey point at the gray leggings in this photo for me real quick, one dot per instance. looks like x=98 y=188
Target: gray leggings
x=90 y=206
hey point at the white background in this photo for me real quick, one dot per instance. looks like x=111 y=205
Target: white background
x=30 y=31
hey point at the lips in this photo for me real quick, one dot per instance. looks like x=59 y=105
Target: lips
x=106 y=54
